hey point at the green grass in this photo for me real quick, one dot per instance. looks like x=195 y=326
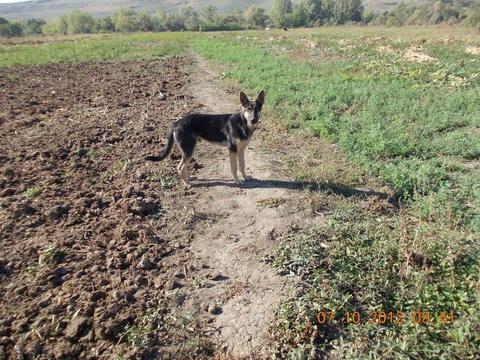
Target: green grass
x=396 y=118
x=110 y=48
x=368 y=263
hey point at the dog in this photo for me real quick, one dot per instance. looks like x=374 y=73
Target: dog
x=234 y=131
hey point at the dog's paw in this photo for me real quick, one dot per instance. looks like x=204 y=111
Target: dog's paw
x=247 y=177
x=238 y=181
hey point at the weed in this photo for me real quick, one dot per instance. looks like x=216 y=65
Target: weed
x=32 y=269
x=198 y=282
x=117 y=167
x=166 y=176
x=271 y=202
x=178 y=297
x=51 y=256
x=32 y=192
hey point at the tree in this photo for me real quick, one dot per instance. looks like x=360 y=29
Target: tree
x=369 y=17
x=56 y=26
x=144 y=21
x=79 y=22
x=343 y=11
x=62 y=24
x=314 y=12
x=125 y=20
x=473 y=15
x=279 y=12
x=190 y=18
x=237 y=16
x=175 y=22
x=11 y=29
x=255 y=16
x=298 y=17
x=209 y=14
x=33 y=26
x=159 y=20
x=3 y=21
x=49 y=28
x=103 y=25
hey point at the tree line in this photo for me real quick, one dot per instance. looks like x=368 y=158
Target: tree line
x=465 y=12
x=283 y=13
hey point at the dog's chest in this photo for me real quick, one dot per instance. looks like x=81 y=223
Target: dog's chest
x=241 y=144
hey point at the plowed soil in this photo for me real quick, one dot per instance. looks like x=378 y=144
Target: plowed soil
x=90 y=233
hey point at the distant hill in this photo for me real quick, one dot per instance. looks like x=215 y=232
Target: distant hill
x=385 y=5
x=48 y=9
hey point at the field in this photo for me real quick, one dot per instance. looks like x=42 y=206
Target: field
x=359 y=237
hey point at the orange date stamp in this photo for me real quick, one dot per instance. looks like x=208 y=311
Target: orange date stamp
x=386 y=317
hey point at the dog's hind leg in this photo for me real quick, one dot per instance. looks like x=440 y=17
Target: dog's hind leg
x=180 y=166
x=233 y=166
x=241 y=163
x=183 y=170
x=186 y=143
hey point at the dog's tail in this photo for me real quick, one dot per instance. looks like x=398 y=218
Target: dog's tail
x=165 y=151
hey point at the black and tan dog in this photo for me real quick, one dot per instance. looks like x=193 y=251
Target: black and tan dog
x=233 y=131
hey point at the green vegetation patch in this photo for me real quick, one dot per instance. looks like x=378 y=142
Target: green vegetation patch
x=32 y=192
x=397 y=118
x=379 y=286
x=95 y=48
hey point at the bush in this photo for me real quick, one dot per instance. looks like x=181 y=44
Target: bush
x=473 y=16
x=33 y=26
x=11 y=29
x=125 y=21
x=79 y=22
x=103 y=25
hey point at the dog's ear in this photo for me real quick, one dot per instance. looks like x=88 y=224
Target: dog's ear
x=243 y=99
x=260 y=99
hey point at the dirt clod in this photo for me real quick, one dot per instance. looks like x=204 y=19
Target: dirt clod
x=142 y=207
x=214 y=309
x=77 y=328
x=22 y=209
x=145 y=263
x=57 y=212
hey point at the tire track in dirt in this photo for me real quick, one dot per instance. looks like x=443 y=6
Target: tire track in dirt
x=245 y=291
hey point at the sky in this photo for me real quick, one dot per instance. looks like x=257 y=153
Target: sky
x=10 y=1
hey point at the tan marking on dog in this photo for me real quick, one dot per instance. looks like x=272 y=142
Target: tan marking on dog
x=183 y=170
x=241 y=144
x=241 y=147
x=249 y=115
x=233 y=166
x=241 y=163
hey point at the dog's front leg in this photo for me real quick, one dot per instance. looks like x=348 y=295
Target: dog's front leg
x=241 y=163
x=233 y=166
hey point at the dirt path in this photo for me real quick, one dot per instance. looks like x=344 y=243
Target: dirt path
x=243 y=291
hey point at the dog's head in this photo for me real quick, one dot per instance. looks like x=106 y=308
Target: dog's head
x=251 y=110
